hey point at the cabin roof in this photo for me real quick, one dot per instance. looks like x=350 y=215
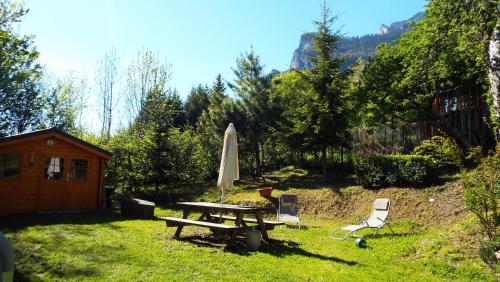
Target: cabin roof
x=54 y=131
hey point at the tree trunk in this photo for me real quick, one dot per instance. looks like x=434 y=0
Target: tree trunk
x=257 y=159
x=323 y=161
x=341 y=154
x=494 y=76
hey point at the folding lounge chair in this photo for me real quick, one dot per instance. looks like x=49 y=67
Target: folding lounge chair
x=287 y=210
x=376 y=220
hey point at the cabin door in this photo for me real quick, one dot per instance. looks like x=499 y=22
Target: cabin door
x=54 y=186
x=78 y=183
x=65 y=183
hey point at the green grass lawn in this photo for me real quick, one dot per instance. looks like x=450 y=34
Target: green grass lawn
x=435 y=241
x=108 y=247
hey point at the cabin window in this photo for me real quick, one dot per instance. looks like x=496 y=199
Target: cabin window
x=9 y=166
x=54 y=168
x=79 y=169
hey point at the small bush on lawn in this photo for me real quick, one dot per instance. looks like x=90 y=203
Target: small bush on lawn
x=481 y=196
x=386 y=170
x=482 y=193
x=487 y=254
x=443 y=152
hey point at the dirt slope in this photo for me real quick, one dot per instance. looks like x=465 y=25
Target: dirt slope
x=354 y=202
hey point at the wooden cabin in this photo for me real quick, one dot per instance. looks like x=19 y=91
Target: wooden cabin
x=50 y=170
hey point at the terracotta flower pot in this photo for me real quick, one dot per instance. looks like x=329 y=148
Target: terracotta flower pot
x=265 y=192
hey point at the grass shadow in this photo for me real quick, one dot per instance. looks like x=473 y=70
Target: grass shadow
x=390 y=235
x=277 y=248
x=19 y=222
x=281 y=248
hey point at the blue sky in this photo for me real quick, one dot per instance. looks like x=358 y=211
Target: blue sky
x=199 y=38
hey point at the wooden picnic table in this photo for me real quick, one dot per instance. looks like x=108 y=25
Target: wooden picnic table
x=212 y=217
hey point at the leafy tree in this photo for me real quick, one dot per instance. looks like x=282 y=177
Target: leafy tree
x=20 y=74
x=144 y=74
x=11 y=11
x=61 y=106
x=436 y=71
x=106 y=78
x=299 y=102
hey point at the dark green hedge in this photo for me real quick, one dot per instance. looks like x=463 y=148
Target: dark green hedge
x=387 y=170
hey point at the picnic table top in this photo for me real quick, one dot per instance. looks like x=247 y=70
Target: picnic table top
x=228 y=207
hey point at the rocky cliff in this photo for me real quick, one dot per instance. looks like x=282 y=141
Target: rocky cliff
x=352 y=48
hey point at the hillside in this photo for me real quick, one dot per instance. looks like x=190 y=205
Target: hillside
x=352 y=48
x=347 y=201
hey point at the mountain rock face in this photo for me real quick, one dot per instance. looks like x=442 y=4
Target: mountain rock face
x=352 y=48
x=383 y=29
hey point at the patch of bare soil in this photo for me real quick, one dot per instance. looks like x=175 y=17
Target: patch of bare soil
x=433 y=206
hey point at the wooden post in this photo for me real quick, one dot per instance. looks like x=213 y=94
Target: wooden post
x=262 y=226
x=185 y=214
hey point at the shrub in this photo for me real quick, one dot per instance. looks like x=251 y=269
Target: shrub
x=474 y=155
x=386 y=170
x=487 y=254
x=481 y=193
x=445 y=154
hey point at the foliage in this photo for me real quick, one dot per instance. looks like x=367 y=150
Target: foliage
x=353 y=48
x=387 y=170
x=154 y=153
x=474 y=155
x=20 y=86
x=145 y=74
x=196 y=103
x=63 y=106
x=212 y=125
x=443 y=151
x=487 y=253
x=481 y=194
x=299 y=104
x=157 y=162
x=330 y=122
x=438 y=67
x=257 y=111
x=11 y=11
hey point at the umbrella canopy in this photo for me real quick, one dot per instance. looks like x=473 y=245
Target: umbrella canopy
x=229 y=169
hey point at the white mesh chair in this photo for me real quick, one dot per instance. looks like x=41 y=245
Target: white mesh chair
x=376 y=220
x=288 y=210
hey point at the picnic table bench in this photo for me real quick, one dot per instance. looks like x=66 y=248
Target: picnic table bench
x=212 y=218
x=269 y=224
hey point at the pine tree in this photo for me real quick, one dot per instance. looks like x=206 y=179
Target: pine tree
x=257 y=111
x=330 y=124
x=197 y=102
x=212 y=124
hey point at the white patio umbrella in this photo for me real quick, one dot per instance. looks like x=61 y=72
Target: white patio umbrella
x=229 y=169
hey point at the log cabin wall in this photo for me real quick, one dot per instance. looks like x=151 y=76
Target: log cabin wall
x=75 y=185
